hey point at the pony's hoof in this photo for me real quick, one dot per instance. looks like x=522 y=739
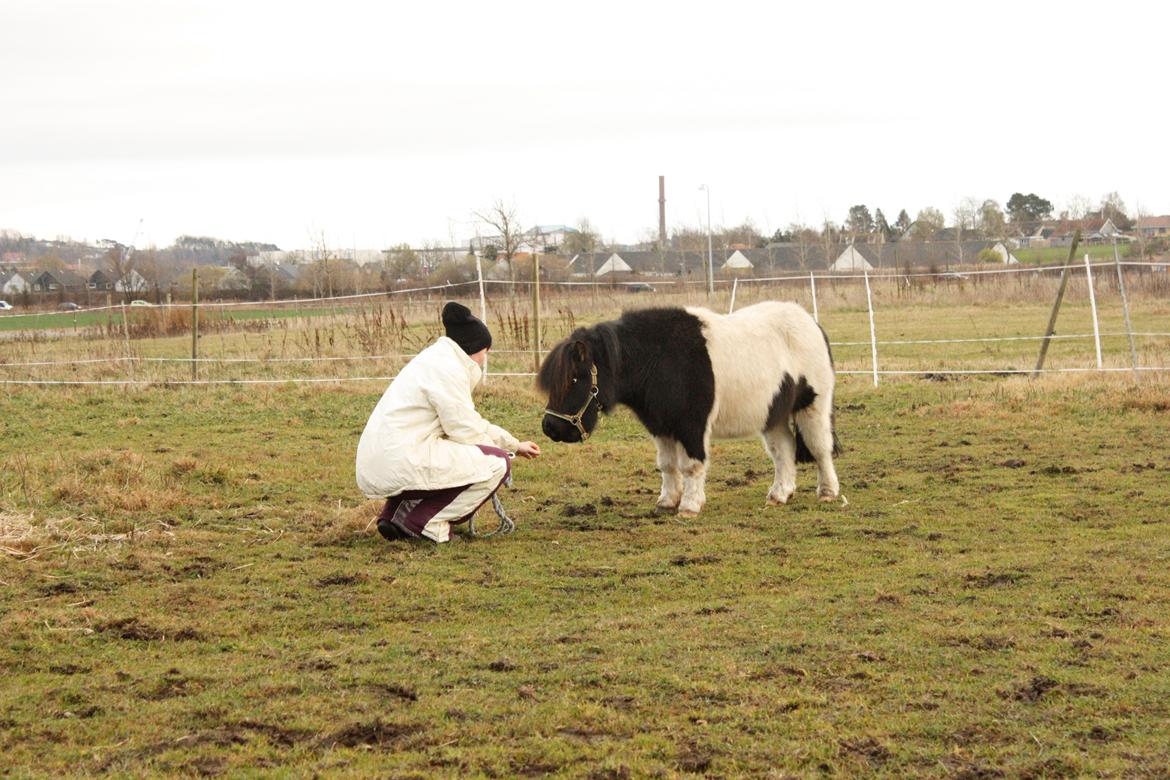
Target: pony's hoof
x=687 y=513
x=778 y=498
x=665 y=508
x=827 y=497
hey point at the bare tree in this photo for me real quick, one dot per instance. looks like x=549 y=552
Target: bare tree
x=829 y=235
x=805 y=238
x=967 y=214
x=1079 y=207
x=502 y=218
x=121 y=264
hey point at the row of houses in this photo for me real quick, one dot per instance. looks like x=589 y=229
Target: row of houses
x=791 y=257
x=63 y=280
x=1094 y=230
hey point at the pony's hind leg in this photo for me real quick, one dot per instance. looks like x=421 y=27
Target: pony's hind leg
x=672 y=480
x=780 y=443
x=816 y=429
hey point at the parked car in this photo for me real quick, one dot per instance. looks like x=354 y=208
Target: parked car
x=640 y=287
x=140 y=302
x=67 y=306
x=6 y=306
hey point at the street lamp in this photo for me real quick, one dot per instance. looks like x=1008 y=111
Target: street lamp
x=710 y=261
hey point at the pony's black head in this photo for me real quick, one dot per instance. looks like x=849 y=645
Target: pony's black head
x=570 y=375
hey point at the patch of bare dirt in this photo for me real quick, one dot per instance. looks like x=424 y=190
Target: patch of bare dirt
x=694 y=759
x=133 y=629
x=1034 y=689
x=992 y=579
x=375 y=733
x=393 y=689
x=342 y=579
x=694 y=560
x=866 y=749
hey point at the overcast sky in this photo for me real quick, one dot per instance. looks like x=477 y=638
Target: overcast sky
x=379 y=123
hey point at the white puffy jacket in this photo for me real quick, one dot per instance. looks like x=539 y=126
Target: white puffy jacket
x=423 y=432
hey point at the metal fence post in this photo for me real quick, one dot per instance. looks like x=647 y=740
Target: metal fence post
x=872 y=332
x=812 y=282
x=482 y=308
x=734 y=287
x=194 y=324
x=1093 y=308
x=1125 y=307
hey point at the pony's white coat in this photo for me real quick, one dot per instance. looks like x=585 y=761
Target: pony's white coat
x=752 y=351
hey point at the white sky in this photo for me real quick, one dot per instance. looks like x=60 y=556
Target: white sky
x=379 y=123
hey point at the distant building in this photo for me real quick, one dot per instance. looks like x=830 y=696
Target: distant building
x=737 y=261
x=1061 y=232
x=1153 y=227
x=62 y=280
x=922 y=254
x=13 y=283
x=614 y=264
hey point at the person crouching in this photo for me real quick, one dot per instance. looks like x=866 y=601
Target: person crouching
x=425 y=448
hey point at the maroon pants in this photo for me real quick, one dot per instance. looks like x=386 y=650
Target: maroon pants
x=409 y=512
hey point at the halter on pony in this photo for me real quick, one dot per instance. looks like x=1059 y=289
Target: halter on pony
x=576 y=418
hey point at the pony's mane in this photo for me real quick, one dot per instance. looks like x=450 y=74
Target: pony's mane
x=603 y=349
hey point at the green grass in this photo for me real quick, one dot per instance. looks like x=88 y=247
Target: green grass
x=113 y=317
x=190 y=587
x=1058 y=255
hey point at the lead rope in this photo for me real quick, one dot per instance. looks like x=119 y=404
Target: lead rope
x=507 y=525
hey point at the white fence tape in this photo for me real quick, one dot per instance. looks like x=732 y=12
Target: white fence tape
x=875 y=276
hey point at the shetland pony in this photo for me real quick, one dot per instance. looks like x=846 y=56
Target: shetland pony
x=690 y=375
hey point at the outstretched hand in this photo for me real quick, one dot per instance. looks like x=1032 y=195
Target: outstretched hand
x=528 y=449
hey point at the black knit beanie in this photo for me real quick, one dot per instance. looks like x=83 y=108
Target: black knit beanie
x=465 y=329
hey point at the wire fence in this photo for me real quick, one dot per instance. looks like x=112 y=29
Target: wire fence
x=884 y=323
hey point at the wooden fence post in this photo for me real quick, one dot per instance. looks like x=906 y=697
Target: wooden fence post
x=1072 y=252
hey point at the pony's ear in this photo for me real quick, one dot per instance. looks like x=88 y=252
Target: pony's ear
x=580 y=350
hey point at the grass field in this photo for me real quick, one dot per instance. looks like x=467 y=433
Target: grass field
x=1057 y=255
x=189 y=585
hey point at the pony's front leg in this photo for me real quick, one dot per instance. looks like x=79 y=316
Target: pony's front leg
x=694 y=494
x=672 y=479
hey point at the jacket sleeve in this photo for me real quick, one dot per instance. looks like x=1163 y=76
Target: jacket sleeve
x=451 y=399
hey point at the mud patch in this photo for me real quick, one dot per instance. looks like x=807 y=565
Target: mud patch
x=502 y=665
x=694 y=560
x=693 y=759
x=992 y=579
x=133 y=629
x=393 y=689
x=375 y=733
x=68 y=669
x=866 y=749
x=1034 y=689
x=578 y=510
x=342 y=579
x=171 y=685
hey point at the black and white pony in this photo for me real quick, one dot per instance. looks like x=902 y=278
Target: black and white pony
x=690 y=375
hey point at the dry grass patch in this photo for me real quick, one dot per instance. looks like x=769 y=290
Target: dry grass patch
x=24 y=536
x=344 y=525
